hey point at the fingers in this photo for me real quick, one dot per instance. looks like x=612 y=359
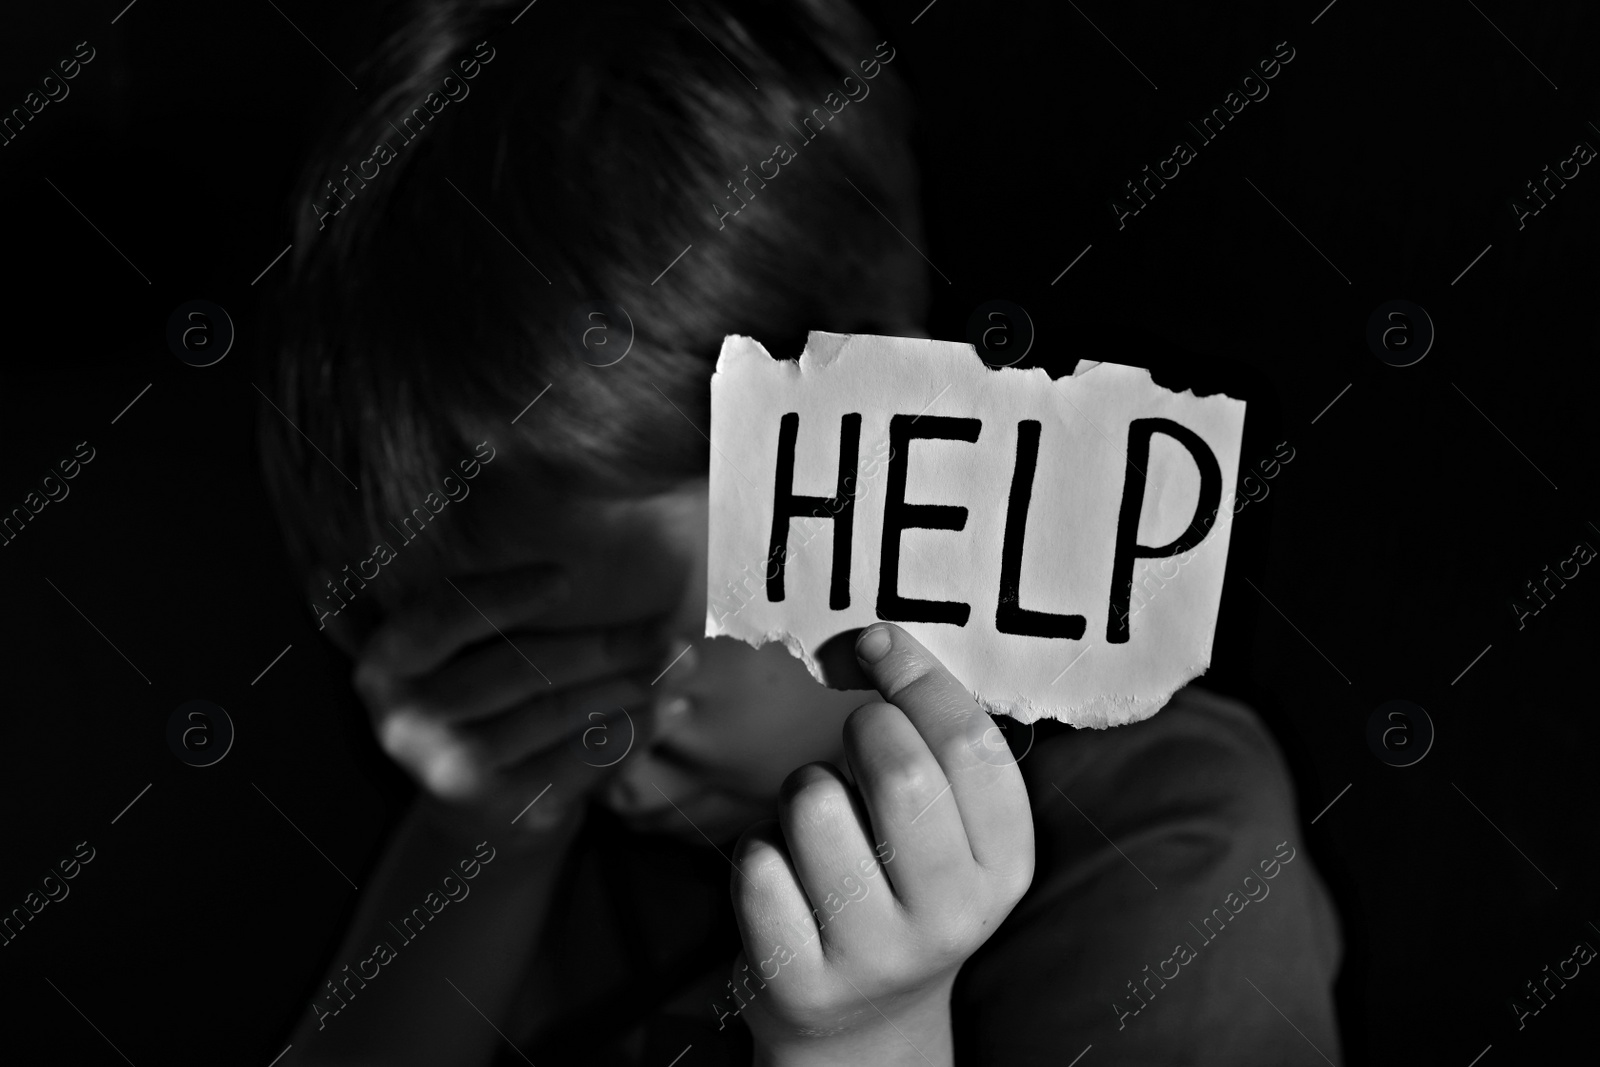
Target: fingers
x=434 y=754
x=419 y=637
x=989 y=795
x=465 y=762
x=466 y=609
x=909 y=801
x=535 y=796
x=588 y=721
x=909 y=676
x=772 y=907
x=471 y=710
x=506 y=673
x=829 y=838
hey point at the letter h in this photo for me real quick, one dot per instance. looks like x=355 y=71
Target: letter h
x=841 y=507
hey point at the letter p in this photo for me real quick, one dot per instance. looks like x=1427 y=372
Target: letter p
x=1128 y=548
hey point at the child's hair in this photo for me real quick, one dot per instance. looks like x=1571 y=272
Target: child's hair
x=570 y=159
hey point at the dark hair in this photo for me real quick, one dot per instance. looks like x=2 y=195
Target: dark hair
x=591 y=144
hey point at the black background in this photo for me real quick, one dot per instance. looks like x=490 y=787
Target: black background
x=1394 y=541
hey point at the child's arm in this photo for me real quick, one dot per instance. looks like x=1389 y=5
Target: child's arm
x=419 y=1001
x=499 y=747
x=833 y=972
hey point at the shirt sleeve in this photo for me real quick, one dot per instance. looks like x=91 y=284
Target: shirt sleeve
x=1174 y=916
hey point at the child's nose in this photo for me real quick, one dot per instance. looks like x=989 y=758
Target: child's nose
x=671 y=711
x=666 y=713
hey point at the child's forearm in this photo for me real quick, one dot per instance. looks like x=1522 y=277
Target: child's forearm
x=443 y=930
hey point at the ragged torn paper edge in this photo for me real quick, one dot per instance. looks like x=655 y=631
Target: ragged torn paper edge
x=1100 y=712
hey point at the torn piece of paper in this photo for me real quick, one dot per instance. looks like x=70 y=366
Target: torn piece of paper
x=1059 y=545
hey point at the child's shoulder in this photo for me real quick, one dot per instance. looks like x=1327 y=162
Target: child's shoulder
x=1200 y=750
x=1189 y=799
x=1150 y=836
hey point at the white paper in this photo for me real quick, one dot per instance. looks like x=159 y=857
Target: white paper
x=1071 y=522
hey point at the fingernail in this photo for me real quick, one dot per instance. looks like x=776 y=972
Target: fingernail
x=873 y=644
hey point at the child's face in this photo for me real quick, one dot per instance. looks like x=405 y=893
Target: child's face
x=726 y=723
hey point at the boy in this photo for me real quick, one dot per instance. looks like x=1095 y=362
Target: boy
x=592 y=872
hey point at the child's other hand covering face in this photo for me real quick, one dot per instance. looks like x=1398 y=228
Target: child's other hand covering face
x=563 y=660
